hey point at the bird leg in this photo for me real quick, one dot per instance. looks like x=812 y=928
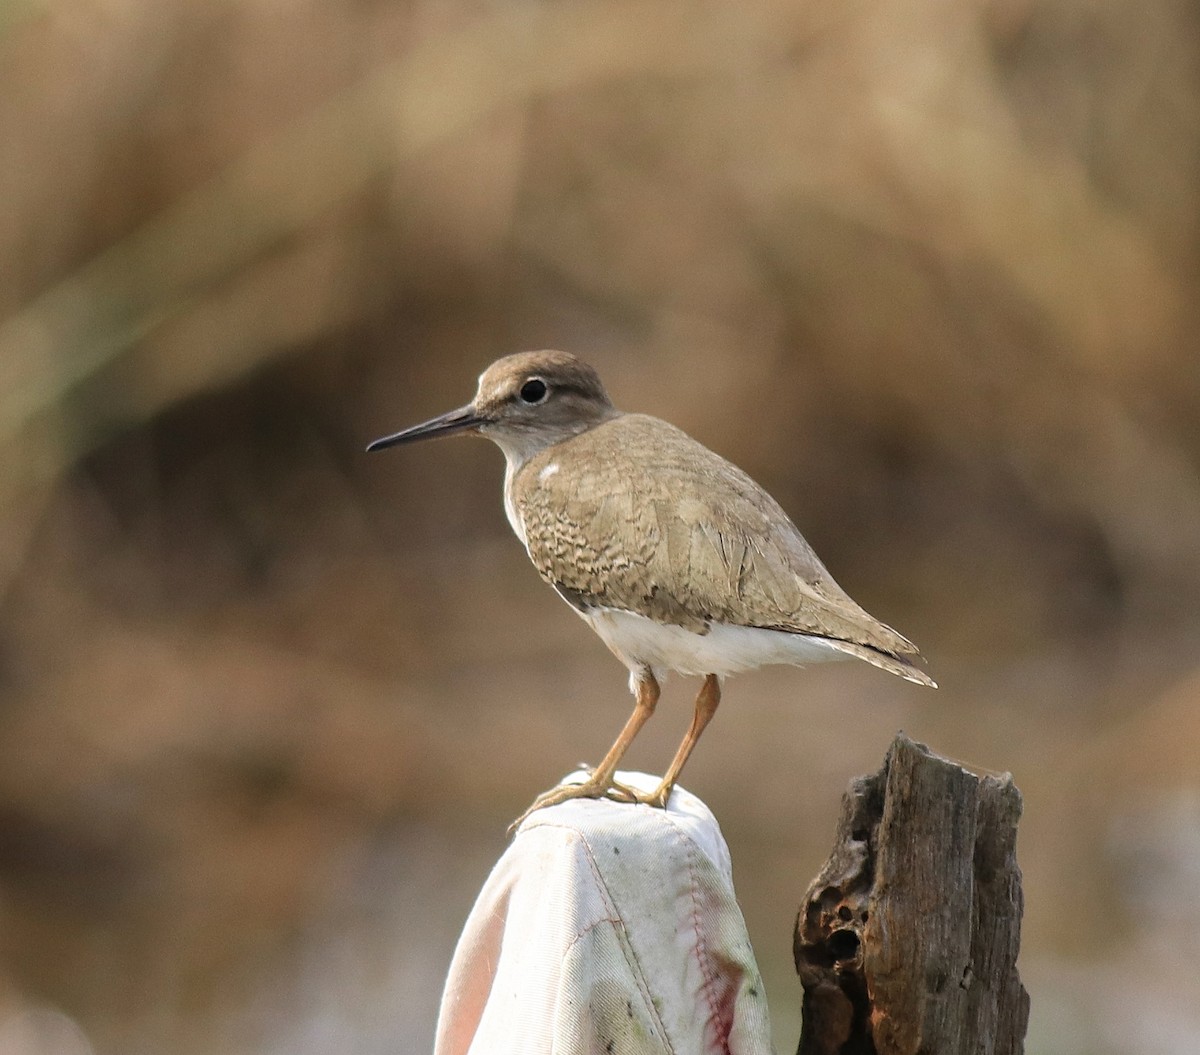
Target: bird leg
x=600 y=782
x=706 y=706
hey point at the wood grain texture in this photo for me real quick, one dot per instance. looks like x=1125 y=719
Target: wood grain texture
x=906 y=942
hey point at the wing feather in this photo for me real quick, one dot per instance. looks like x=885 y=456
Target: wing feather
x=689 y=540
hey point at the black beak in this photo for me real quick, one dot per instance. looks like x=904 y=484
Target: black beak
x=459 y=420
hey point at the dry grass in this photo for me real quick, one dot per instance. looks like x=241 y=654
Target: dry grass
x=930 y=275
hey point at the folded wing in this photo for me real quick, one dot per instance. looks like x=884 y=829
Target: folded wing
x=689 y=541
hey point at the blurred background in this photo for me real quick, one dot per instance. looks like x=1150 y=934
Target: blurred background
x=928 y=272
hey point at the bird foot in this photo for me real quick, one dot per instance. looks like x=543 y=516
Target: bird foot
x=594 y=789
x=656 y=798
x=589 y=789
x=619 y=792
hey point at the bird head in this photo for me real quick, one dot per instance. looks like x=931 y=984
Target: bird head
x=524 y=403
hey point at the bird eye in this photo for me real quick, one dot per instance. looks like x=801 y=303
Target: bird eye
x=534 y=390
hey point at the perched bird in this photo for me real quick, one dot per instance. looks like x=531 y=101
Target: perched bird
x=674 y=556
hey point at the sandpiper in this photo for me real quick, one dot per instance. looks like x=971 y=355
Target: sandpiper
x=674 y=556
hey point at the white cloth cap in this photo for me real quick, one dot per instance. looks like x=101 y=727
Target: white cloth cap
x=607 y=929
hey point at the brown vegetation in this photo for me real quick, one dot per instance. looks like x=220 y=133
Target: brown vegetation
x=928 y=272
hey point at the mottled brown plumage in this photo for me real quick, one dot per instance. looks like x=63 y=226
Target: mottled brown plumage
x=675 y=557
x=689 y=539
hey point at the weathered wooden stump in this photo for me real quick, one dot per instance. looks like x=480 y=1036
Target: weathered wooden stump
x=906 y=942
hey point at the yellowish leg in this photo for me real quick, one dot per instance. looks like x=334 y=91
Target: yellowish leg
x=706 y=706
x=600 y=783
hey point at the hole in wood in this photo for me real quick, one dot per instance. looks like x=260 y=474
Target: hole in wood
x=843 y=944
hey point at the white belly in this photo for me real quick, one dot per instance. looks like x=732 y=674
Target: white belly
x=640 y=642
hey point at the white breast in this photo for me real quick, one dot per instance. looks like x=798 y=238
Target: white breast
x=510 y=508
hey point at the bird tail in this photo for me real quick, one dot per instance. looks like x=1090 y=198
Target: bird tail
x=901 y=666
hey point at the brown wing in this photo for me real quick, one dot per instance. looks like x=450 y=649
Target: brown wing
x=687 y=540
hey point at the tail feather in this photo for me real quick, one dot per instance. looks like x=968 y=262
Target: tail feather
x=901 y=666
